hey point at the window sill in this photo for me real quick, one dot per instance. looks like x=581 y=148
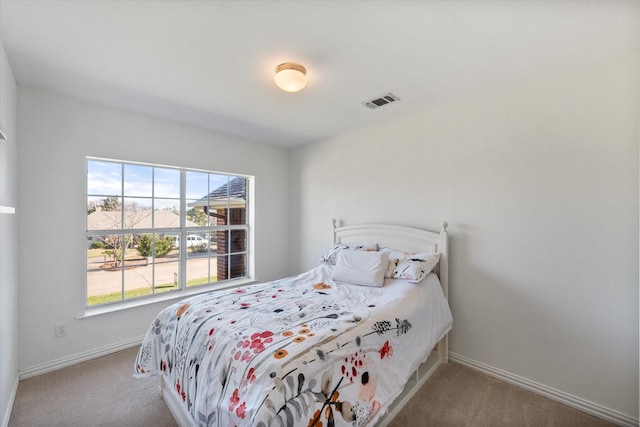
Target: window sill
x=112 y=308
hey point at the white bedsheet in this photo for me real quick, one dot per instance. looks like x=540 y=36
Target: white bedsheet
x=297 y=351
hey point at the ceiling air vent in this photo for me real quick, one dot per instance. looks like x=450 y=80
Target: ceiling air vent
x=379 y=102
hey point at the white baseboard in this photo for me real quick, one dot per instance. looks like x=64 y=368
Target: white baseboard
x=12 y=398
x=549 y=392
x=78 y=358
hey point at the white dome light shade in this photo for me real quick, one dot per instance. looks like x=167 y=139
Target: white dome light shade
x=291 y=77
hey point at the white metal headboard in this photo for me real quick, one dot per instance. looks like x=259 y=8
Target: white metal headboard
x=407 y=239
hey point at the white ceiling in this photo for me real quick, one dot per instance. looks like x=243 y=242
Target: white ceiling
x=211 y=63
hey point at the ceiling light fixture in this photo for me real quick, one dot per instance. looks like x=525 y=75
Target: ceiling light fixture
x=291 y=77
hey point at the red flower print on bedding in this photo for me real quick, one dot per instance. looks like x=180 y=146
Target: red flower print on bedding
x=181 y=392
x=212 y=341
x=352 y=364
x=255 y=343
x=234 y=400
x=258 y=340
x=243 y=357
x=386 y=350
x=250 y=376
x=241 y=410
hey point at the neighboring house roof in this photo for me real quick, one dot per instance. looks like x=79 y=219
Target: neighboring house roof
x=233 y=192
x=110 y=220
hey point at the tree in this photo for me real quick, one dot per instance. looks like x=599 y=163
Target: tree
x=111 y=204
x=197 y=215
x=118 y=243
x=162 y=246
x=114 y=243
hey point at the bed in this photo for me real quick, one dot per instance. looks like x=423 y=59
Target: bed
x=312 y=349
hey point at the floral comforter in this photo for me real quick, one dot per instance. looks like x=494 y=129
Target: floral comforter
x=301 y=351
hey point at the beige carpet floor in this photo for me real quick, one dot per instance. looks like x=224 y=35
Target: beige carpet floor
x=103 y=392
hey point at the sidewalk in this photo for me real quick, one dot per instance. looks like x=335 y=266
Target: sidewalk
x=101 y=281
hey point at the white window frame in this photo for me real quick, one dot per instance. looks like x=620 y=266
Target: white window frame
x=183 y=290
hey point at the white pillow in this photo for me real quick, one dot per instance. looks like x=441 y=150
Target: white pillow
x=331 y=256
x=364 y=268
x=412 y=267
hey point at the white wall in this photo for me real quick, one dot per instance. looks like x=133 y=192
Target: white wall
x=539 y=184
x=57 y=133
x=8 y=240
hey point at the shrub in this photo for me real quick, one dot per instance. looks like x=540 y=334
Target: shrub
x=163 y=246
x=97 y=245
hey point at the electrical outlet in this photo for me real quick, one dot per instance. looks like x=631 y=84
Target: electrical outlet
x=61 y=330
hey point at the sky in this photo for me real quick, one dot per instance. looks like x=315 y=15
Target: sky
x=144 y=182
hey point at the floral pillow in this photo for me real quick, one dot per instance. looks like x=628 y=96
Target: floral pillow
x=412 y=267
x=331 y=256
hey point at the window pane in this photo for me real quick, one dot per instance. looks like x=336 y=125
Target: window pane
x=218 y=202
x=166 y=218
x=201 y=270
x=138 y=277
x=166 y=183
x=238 y=200
x=197 y=191
x=196 y=216
x=164 y=257
x=166 y=213
x=237 y=266
x=137 y=213
x=104 y=178
x=166 y=270
x=231 y=264
x=105 y=220
x=237 y=241
x=103 y=280
x=231 y=241
x=229 y=200
x=138 y=180
x=197 y=185
x=197 y=245
x=104 y=213
x=157 y=261
x=104 y=269
x=237 y=216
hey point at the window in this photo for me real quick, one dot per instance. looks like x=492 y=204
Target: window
x=156 y=229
